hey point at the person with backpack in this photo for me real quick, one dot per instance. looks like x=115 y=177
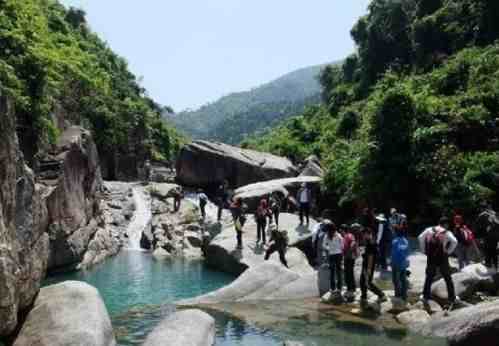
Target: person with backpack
x=438 y=243
x=278 y=242
x=350 y=254
x=262 y=213
x=487 y=226
x=304 y=199
x=203 y=200
x=275 y=207
x=400 y=264
x=465 y=240
x=369 y=257
x=237 y=209
x=318 y=234
x=333 y=244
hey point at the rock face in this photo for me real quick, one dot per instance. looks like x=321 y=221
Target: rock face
x=23 y=220
x=312 y=167
x=473 y=278
x=186 y=328
x=204 y=163
x=221 y=253
x=69 y=313
x=72 y=173
x=476 y=325
x=414 y=319
x=253 y=193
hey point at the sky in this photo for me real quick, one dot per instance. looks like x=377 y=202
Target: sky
x=191 y=52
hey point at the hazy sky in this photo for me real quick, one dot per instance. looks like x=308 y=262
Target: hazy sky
x=190 y=52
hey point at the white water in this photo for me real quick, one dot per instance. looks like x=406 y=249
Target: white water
x=141 y=218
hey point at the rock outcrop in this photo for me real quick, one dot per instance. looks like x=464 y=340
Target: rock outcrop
x=23 y=220
x=253 y=193
x=476 y=325
x=204 y=163
x=186 y=328
x=69 y=313
x=71 y=171
x=312 y=167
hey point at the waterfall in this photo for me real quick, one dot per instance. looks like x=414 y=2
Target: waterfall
x=141 y=218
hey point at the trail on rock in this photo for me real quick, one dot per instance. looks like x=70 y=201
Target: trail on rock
x=141 y=218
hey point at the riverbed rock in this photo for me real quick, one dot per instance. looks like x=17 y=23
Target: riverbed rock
x=473 y=278
x=476 y=325
x=222 y=254
x=73 y=166
x=69 y=313
x=312 y=167
x=203 y=163
x=102 y=246
x=253 y=193
x=24 y=244
x=186 y=328
x=414 y=319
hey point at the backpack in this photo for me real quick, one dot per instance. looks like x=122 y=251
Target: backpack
x=467 y=236
x=435 y=246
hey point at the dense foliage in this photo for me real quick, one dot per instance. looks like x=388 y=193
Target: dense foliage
x=412 y=118
x=236 y=116
x=52 y=65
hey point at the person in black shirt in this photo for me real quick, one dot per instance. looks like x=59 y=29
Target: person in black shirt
x=368 y=266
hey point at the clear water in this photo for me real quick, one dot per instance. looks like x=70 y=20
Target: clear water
x=139 y=292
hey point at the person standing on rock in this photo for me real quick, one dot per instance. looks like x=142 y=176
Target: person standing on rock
x=178 y=195
x=275 y=207
x=383 y=239
x=278 y=242
x=237 y=210
x=203 y=200
x=222 y=197
x=262 y=213
x=438 y=243
x=350 y=254
x=487 y=226
x=465 y=241
x=147 y=171
x=304 y=199
x=400 y=264
x=333 y=244
x=368 y=267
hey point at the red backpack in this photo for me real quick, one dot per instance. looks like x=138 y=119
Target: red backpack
x=435 y=246
x=467 y=236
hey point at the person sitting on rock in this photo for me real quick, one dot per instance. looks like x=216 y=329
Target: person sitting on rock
x=438 y=243
x=278 y=242
x=368 y=267
x=261 y=215
x=350 y=254
x=237 y=210
x=333 y=243
x=203 y=200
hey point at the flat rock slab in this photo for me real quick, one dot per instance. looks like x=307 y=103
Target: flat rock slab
x=223 y=255
x=185 y=328
x=69 y=313
x=203 y=163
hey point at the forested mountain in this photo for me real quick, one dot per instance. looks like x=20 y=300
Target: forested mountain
x=57 y=72
x=233 y=117
x=412 y=118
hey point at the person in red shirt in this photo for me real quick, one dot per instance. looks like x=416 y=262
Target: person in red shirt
x=465 y=241
x=350 y=254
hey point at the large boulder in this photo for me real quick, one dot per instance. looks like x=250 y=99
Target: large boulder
x=69 y=313
x=312 y=167
x=23 y=220
x=476 y=325
x=203 y=163
x=72 y=171
x=186 y=328
x=253 y=193
x=222 y=254
x=414 y=319
x=473 y=278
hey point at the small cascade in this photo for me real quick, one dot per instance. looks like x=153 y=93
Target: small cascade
x=141 y=218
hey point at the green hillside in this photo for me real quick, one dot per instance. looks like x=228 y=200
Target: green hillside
x=52 y=64
x=233 y=117
x=412 y=118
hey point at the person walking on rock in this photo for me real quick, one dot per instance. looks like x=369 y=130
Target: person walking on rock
x=237 y=211
x=350 y=254
x=465 y=241
x=487 y=226
x=400 y=264
x=178 y=195
x=275 y=206
x=438 y=243
x=333 y=243
x=368 y=267
x=279 y=243
x=383 y=239
x=203 y=200
x=262 y=213
x=304 y=199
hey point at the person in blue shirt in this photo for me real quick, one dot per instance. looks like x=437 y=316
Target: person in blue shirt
x=400 y=264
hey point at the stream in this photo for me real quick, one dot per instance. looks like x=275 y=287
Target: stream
x=140 y=291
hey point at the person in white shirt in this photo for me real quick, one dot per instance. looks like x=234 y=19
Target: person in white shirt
x=438 y=243
x=333 y=244
x=304 y=198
